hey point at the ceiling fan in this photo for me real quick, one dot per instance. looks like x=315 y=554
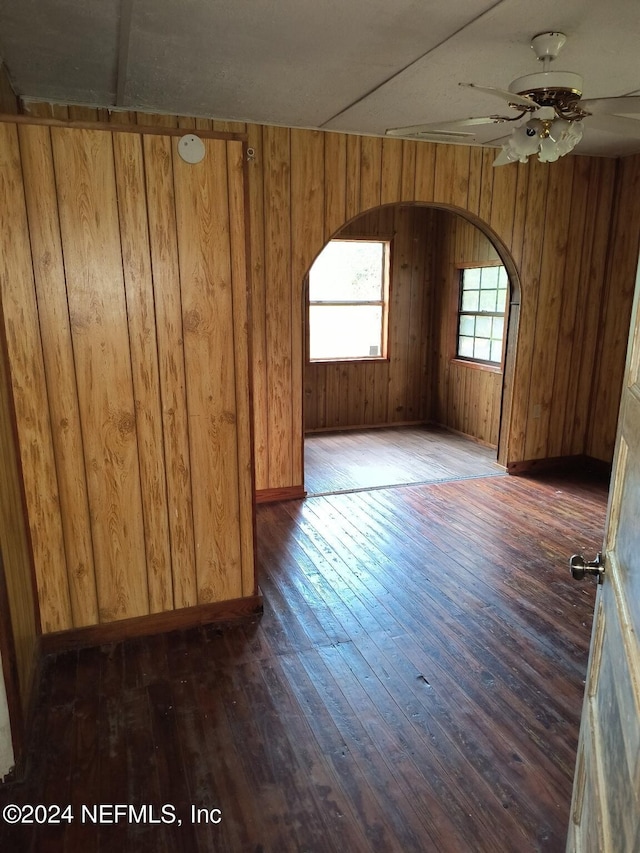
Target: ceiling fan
x=550 y=112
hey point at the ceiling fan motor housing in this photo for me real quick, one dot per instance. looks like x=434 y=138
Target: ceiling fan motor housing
x=546 y=88
x=558 y=89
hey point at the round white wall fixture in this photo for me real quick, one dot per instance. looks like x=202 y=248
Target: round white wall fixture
x=191 y=148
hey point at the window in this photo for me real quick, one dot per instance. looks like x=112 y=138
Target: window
x=481 y=313
x=348 y=297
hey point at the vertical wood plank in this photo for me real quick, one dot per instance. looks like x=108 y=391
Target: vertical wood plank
x=475 y=176
x=428 y=336
x=168 y=309
x=620 y=283
x=380 y=408
x=53 y=309
x=307 y=239
x=202 y=222
x=408 y=180
x=530 y=277
x=18 y=592
x=519 y=221
x=451 y=177
x=331 y=395
x=335 y=186
x=567 y=359
x=391 y=176
x=136 y=261
x=29 y=390
x=461 y=178
x=156 y=120
x=277 y=230
x=311 y=400
x=554 y=253
x=255 y=177
x=95 y=287
x=503 y=203
x=123 y=117
x=371 y=172
x=594 y=244
x=488 y=172
x=399 y=307
x=81 y=113
x=242 y=360
x=61 y=111
x=425 y=165
x=419 y=329
x=356 y=394
x=228 y=126
x=441 y=287
x=37 y=109
x=353 y=177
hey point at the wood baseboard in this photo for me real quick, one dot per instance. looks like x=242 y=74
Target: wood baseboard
x=473 y=438
x=560 y=465
x=351 y=427
x=219 y=612
x=288 y=493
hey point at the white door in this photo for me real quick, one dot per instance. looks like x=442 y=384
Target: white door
x=605 y=811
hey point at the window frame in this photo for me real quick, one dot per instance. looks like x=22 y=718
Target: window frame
x=387 y=266
x=470 y=361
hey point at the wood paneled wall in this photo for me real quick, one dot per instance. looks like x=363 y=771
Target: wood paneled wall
x=126 y=314
x=553 y=219
x=611 y=332
x=19 y=633
x=394 y=390
x=544 y=218
x=466 y=397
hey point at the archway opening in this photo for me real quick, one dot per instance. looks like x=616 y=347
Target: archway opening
x=434 y=402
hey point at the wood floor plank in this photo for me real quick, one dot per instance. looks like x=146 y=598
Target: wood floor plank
x=434 y=640
x=414 y=684
x=373 y=458
x=140 y=783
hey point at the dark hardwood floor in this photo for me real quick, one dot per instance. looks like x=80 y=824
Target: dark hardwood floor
x=353 y=460
x=414 y=684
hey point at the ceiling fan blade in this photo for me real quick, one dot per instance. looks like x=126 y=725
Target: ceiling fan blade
x=444 y=128
x=615 y=124
x=497 y=142
x=509 y=97
x=607 y=106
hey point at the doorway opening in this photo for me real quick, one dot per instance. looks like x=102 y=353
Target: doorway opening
x=428 y=404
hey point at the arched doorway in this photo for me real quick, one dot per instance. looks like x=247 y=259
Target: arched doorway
x=422 y=378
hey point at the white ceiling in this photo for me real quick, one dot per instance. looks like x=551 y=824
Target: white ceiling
x=358 y=66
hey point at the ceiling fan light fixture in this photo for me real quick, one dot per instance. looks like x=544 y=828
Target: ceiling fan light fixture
x=550 y=140
x=566 y=134
x=523 y=142
x=548 y=151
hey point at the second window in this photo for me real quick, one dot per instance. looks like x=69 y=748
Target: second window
x=481 y=314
